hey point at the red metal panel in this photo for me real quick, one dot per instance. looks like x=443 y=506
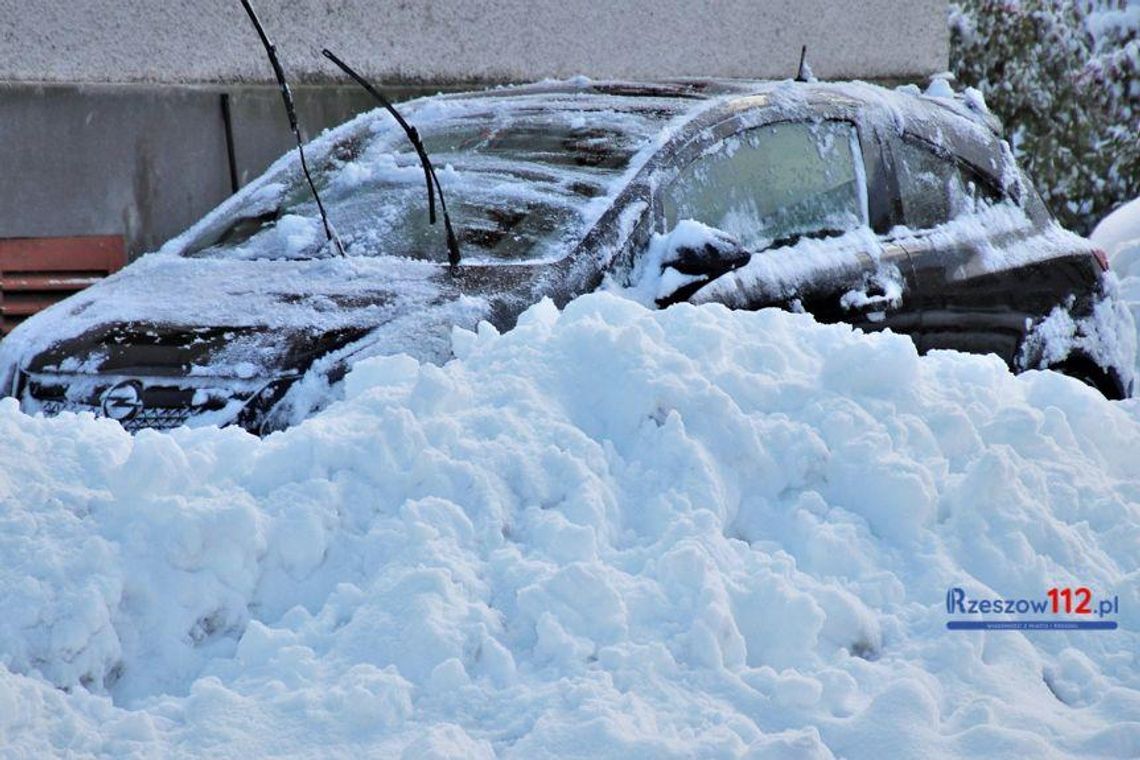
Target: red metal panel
x=100 y=253
x=37 y=272
x=53 y=281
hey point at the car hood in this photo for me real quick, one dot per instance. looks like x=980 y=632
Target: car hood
x=164 y=350
x=169 y=316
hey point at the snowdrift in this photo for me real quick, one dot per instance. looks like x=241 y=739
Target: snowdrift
x=611 y=532
x=1119 y=235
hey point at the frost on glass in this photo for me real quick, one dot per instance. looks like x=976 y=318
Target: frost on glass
x=935 y=190
x=773 y=184
x=518 y=184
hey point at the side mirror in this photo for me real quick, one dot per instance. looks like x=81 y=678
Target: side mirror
x=696 y=249
x=692 y=255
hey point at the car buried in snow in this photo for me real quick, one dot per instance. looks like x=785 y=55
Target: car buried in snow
x=880 y=208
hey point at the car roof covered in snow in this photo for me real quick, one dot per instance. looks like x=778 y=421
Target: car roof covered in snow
x=959 y=121
x=968 y=105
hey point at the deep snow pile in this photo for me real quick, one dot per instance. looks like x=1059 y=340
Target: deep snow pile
x=1119 y=235
x=611 y=532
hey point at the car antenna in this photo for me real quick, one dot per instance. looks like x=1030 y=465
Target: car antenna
x=433 y=186
x=291 y=111
x=804 y=74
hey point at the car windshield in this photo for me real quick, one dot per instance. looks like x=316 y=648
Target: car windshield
x=521 y=180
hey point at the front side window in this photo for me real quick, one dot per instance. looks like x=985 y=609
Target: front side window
x=774 y=183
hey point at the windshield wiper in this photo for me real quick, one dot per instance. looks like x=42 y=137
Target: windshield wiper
x=291 y=111
x=433 y=186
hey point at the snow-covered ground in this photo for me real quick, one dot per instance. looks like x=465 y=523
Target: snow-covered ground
x=611 y=532
x=1118 y=235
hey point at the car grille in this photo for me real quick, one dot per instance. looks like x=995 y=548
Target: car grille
x=157 y=418
x=159 y=404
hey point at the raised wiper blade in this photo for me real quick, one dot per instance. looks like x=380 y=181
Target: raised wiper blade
x=291 y=111
x=433 y=186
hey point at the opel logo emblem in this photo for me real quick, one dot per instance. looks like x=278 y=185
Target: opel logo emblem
x=122 y=401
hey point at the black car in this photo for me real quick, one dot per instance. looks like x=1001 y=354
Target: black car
x=882 y=208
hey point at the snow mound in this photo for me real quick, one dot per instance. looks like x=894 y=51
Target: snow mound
x=611 y=532
x=1119 y=235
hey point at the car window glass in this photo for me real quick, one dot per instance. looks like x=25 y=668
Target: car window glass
x=933 y=189
x=522 y=182
x=1032 y=203
x=978 y=192
x=927 y=185
x=773 y=183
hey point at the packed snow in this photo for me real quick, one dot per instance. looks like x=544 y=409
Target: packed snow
x=1119 y=235
x=610 y=532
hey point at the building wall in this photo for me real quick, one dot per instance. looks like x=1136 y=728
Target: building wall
x=112 y=119
x=470 y=40
x=143 y=162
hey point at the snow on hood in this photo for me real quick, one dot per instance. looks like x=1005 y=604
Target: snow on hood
x=610 y=532
x=270 y=312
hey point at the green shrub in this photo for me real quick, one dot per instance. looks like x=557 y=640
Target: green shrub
x=1065 y=80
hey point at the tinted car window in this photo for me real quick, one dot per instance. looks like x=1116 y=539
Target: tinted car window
x=773 y=183
x=933 y=189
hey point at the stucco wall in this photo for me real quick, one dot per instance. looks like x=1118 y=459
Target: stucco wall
x=469 y=40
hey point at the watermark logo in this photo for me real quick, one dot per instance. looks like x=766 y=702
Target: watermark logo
x=1034 y=614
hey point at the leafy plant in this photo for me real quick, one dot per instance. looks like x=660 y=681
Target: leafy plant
x=1064 y=77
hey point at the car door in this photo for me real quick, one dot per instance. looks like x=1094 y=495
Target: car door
x=795 y=195
x=955 y=222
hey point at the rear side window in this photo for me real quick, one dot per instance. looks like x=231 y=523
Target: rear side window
x=934 y=189
x=774 y=183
